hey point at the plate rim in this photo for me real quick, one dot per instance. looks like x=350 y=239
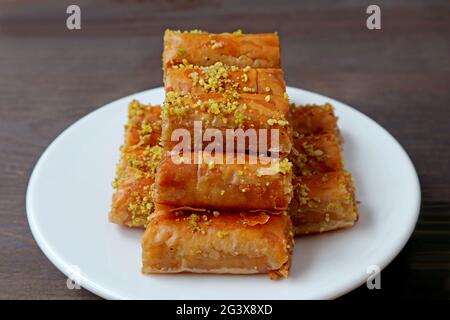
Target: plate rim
x=103 y=292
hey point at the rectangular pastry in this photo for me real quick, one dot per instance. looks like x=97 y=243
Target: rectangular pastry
x=245 y=184
x=132 y=201
x=220 y=78
x=323 y=202
x=314 y=119
x=234 y=49
x=217 y=242
x=144 y=124
x=316 y=154
x=224 y=114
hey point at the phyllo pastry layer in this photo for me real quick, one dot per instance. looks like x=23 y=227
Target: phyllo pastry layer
x=234 y=49
x=228 y=181
x=220 y=78
x=217 y=242
x=316 y=154
x=224 y=114
x=144 y=125
x=132 y=201
x=323 y=202
x=313 y=120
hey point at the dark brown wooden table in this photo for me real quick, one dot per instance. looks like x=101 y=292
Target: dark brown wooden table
x=399 y=76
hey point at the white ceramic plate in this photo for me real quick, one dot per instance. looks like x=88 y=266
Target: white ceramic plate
x=69 y=196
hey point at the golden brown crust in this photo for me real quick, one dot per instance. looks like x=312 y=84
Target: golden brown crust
x=222 y=112
x=316 y=154
x=323 y=202
x=144 y=125
x=234 y=49
x=132 y=201
x=224 y=184
x=215 y=242
x=313 y=120
x=220 y=78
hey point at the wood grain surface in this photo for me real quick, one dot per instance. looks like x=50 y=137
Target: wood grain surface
x=399 y=76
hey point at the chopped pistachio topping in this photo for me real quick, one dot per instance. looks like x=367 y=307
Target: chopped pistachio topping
x=193 y=223
x=216 y=44
x=173 y=105
x=140 y=207
x=310 y=151
x=221 y=234
x=194 y=77
x=195 y=31
x=284 y=166
x=211 y=164
x=134 y=109
x=239 y=117
x=138 y=159
x=280 y=122
x=318 y=152
x=214 y=78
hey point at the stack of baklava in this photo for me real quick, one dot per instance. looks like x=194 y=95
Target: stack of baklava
x=324 y=194
x=222 y=211
x=132 y=201
x=209 y=208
